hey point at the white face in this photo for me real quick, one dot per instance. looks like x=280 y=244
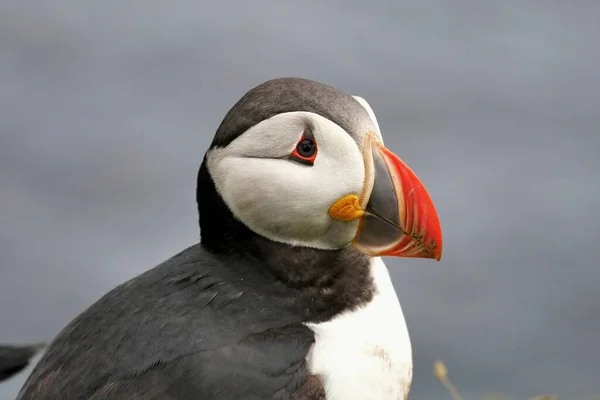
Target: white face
x=285 y=200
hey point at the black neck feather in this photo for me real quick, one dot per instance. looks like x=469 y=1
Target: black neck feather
x=339 y=279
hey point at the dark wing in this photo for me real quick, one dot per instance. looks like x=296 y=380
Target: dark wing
x=268 y=365
x=192 y=328
x=14 y=359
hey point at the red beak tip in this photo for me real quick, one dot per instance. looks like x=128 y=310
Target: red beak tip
x=419 y=230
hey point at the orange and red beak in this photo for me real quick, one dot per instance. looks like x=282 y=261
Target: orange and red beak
x=397 y=216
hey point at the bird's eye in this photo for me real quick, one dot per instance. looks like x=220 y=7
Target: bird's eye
x=306 y=150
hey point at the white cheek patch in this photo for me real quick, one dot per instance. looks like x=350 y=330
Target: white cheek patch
x=367 y=107
x=284 y=200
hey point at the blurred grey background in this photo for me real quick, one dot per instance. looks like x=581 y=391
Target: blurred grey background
x=107 y=107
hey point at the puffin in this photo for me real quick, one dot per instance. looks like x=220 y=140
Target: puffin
x=15 y=358
x=285 y=295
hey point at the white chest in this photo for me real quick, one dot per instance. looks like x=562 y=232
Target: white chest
x=365 y=354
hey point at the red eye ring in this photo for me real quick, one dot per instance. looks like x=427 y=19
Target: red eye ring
x=306 y=150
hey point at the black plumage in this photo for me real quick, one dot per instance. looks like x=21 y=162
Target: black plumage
x=14 y=359
x=200 y=325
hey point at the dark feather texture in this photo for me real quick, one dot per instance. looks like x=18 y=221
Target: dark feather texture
x=282 y=95
x=200 y=325
x=14 y=359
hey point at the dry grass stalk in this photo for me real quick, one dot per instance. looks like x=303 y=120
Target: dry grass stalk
x=441 y=373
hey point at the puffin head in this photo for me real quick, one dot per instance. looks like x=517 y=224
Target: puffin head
x=304 y=164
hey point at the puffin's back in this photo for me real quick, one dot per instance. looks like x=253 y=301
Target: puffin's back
x=181 y=330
